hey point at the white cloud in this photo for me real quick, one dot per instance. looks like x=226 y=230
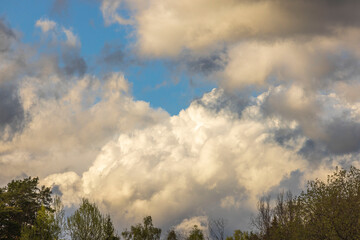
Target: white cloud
x=71 y=38
x=59 y=32
x=109 y=10
x=45 y=24
x=68 y=123
x=165 y=28
x=162 y=172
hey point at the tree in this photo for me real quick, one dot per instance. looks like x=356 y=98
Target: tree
x=263 y=220
x=87 y=223
x=109 y=231
x=239 y=235
x=172 y=235
x=44 y=228
x=217 y=228
x=196 y=234
x=326 y=210
x=143 y=232
x=20 y=201
x=331 y=210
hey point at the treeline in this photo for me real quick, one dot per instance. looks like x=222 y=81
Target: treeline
x=326 y=210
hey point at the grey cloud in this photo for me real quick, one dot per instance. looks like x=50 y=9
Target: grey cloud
x=329 y=129
x=284 y=136
x=314 y=151
x=231 y=21
x=342 y=136
x=293 y=183
x=112 y=55
x=7 y=36
x=226 y=101
x=73 y=63
x=207 y=64
x=12 y=116
x=60 y=6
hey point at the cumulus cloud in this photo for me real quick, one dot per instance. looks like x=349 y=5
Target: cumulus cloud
x=50 y=116
x=315 y=63
x=59 y=32
x=65 y=119
x=234 y=156
x=165 y=28
x=7 y=36
x=225 y=166
x=71 y=39
x=267 y=42
x=45 y=25
x=109 y=10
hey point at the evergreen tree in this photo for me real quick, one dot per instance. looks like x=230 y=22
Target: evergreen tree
x=20 y=201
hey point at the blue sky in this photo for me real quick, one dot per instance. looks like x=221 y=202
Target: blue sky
x=152 y=80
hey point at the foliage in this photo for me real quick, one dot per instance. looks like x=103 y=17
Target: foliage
x=172 y=235
x=109 y=231
x=87 y=223
x=196 y=234
x=326 y=210
x=20 y=201
x=239 y=235
x=44 y=228
x=143 y=232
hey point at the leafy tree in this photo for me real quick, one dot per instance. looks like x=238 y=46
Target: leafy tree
x=44 y=228
x=326 y=210
x=143 y=232
x=109 y=231
x=172 y=235
x=87 y=223
x=20 y=201
x=331 y=210
x=239 y=235
x=196 y=234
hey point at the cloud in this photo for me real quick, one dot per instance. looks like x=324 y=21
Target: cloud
x=59 y=32
x=109 y=10
x=73 y=63
x=112 y=55
x=160 y=171
x=315 y=63
x=71 y=39
x=165 y=28
x=60 y=6
x=312 y=43
x=234 y=156
x=46 y=25
x=7 y=36
x=12 y=118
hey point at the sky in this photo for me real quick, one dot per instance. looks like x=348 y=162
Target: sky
x=182 y=110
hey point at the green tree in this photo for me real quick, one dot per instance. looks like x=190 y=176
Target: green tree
x=20 y=201
x=172 y=235
x=44 y=228
x=109 y=231
x=86 y=223
x=331 y=209
x=143 y=232
x=196 y=234
x=239 y=235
